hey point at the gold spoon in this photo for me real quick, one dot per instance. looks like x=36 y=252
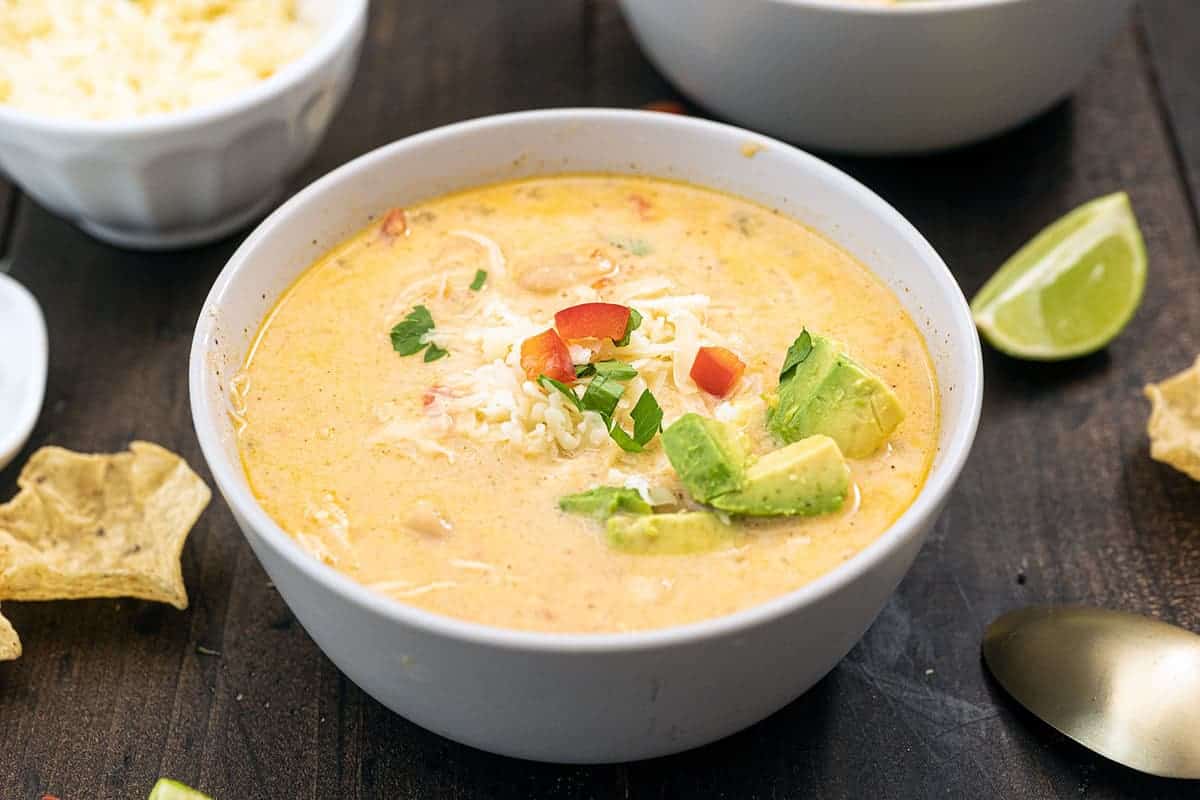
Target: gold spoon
x=1124 y=685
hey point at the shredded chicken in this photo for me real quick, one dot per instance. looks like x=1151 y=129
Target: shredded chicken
x=426 y=520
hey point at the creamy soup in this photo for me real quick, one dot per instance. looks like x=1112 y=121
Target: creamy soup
x=392 y=416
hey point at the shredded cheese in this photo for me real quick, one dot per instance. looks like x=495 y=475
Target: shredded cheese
x=495 y=402
x=113 y=59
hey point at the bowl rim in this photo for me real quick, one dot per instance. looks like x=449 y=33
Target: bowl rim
x=328 y=43
x=923 y=7
x=910 y=523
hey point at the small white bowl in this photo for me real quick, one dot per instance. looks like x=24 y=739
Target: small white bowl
x=584 y=697
x=24 y=357
x=861 y=77
x=180 y=179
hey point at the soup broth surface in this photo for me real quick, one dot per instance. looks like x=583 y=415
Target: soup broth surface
x=437 y=483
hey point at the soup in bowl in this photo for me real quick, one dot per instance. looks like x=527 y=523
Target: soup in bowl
x=549 y=424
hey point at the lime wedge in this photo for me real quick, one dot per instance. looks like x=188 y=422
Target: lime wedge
x=167 y=789
x=1071 y=289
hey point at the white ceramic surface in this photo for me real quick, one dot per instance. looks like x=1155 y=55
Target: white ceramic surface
x=593 y=697
x=173 y=180
x=23 y=360
x=858 y=77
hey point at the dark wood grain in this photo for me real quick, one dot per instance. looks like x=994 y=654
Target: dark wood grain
x=1169 y=29
x=9 y=200
x=1060 y=501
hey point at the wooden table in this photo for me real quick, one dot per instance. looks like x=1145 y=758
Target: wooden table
x=1060 y=501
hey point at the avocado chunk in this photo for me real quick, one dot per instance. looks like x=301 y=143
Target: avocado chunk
x=804 y=478
x=827 y=392
x=706 y=455
x=167 y=789
x=604 y=501
x=680 y=533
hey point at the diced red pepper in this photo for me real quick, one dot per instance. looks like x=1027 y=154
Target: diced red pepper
x=395 y=223
x=666 y=106
x=547 y=354
x=643 y=206
x=716 y=370
x=593 y=321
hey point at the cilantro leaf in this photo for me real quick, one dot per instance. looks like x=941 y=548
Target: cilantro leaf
x=434 y=353
x=549 y=383
x=635 y=322
x=624 y=440
x=602 y=396
x=604 y=501
x=647 y=418
x=480 y=278
x=617 y=370
x=796 y=354
x=408 y=334
x=637 y=247
x=647 y=421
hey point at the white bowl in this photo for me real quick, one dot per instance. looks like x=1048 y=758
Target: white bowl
x=585 y=697
x=857 y=77
x=179 y=179
x=24 y=358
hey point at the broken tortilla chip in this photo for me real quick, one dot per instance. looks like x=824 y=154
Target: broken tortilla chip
x=1174 y=425
x=10 y=643
x=99 y=526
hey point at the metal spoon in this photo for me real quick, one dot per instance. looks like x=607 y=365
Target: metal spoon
x=1124 y=685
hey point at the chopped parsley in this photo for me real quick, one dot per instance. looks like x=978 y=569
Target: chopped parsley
x=604 y=392
x=434 y=353
x=637 y=247
x=647 y=417
x=549 y=383
x=647 y=421
x=796 y=354
x=480 y=278
x=617 y=370
x=611 y=368
x=408 y=335
x=602 y=396
x=635 y=322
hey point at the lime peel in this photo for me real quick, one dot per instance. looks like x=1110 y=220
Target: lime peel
x=167 y=789
x=1071 y=289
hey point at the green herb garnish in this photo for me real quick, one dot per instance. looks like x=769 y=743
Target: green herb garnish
x=604 y=501
x=647 y=421
x=647 y=417
x=637 y=247
x=611 y=368
x=617 y=370
x=624 y=440
x=635 y=322
x=602 y=396
x=549 y=383
x=796 y=354
x=409 y=335
x=480 y=277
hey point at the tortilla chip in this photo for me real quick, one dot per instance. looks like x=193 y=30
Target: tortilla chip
x=99 y=526
x=10 y=644
x=1174 y=425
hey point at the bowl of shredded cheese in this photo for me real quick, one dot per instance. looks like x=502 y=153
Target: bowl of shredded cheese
x=166 y=123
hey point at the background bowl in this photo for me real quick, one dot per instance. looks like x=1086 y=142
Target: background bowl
x=855 y=77
x=587 y=697
x=178 y=179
